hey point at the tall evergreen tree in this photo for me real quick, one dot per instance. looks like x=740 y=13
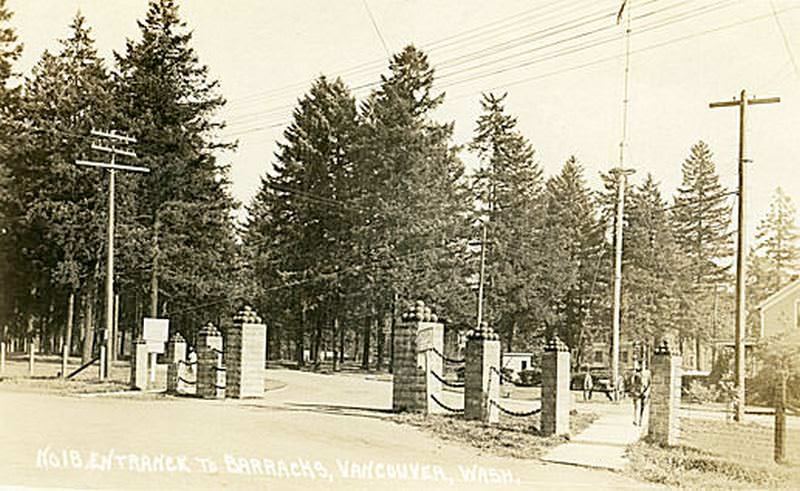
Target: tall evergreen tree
x=67 y=95
x=301 y=221
x=410 y=183
x=652 y=275
x=10 y=50
x=168 y=103
x=574 y=249
x=778 y=240
x=702 y=219
x=509 y=186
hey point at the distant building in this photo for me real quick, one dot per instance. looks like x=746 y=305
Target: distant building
x=517 y=361
x=779 y=313
x=598 y=356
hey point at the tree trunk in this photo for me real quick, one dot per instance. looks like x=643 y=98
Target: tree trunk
x=70 y=315
x=316 y=340
x=299 y=339
x=697 y=364
x=154 y=272
x=391 y=332
x=88 y=322
x=341 y=343
x=380 y=331
x=366 y=352
x=334 y=343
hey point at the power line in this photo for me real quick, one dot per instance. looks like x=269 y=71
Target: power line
x=571 y=50
x=377 y=29
x=537 y=12
x=786 y=43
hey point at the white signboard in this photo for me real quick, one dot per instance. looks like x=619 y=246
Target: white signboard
x=156 y=333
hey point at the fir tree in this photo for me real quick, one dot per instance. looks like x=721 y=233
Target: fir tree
x=777 y=239
x=301 y=220
x=410 y=184
x=168 y=103
x=574 y=253
x=510 y=187
x=702 y=218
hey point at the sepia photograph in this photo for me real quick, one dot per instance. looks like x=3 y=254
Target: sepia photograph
x=399 y=244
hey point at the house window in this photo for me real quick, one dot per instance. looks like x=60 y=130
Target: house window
x=524 y=365
x=598 y=356
x=624 y=357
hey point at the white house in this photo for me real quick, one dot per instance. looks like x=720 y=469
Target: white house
x=516 y=361
x=779 y=313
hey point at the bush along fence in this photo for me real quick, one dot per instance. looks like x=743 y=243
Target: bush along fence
x=419 y=382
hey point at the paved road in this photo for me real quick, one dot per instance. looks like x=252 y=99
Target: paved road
x=319 y=432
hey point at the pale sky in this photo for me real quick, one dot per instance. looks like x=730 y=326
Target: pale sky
x=561 y=63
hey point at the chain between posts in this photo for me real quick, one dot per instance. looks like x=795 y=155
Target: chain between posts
x=520 y=414
x=444 y=406
x=457 y=385
x=190 y=382
x=448 y=360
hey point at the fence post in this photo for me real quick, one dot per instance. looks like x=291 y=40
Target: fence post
x=416 y=337
x=209 y=355
x=556 y=397
x=245 y=355
x=481 y=384
x=780 y=421
x=663 y=427
x=176 y=355
x=139 y=365
x=2 y=356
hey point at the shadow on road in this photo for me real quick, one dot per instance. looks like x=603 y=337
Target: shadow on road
x=339 y=410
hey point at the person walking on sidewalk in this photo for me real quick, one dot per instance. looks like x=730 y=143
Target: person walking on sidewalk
x=588 y=385
x=640 y=393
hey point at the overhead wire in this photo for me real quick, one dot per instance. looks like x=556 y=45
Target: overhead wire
x=656 y=25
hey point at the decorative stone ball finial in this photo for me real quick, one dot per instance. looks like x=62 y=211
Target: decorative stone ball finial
x=247 y=316
x=209 y=330
x=663 y=348
x=483 y=332
x=419 y=313
x=176 y=338
x=555 y=344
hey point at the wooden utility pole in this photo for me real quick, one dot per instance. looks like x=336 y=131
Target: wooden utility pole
x=741 y=246
x=112 y=168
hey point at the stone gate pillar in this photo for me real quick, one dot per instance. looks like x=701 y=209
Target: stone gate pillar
x=416 y=337
x=176 y=357
x=556 y=397
x=139 y=365
x=665 y=396
x=245 y=355
x=210 y=377
x=482 y=375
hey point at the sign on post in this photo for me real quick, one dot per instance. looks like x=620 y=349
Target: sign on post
x=156 y=333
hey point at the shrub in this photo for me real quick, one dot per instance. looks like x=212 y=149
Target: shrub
x=701 y=393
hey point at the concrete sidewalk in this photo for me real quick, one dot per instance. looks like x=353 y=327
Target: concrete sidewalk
x=602 y=445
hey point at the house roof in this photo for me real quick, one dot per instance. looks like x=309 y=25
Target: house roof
x=791 y=288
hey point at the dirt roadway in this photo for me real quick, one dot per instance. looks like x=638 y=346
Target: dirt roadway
x=319 y=432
